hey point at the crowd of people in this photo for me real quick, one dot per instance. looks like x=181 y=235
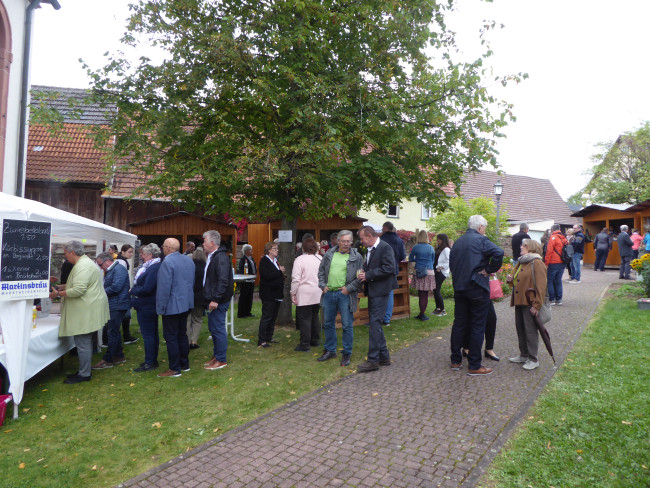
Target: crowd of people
x=182 y=288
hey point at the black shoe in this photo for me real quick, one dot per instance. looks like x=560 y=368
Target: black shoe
x=424 y=318
x=302 y=349
x=273 y=341
x=367 y=367
x=493 y=358
x=345 y=360
x=76 y=379
x=144 y=367
x=72 y=375
x=384 y=362
x=264 y=344
x=315 y=344
x=194 y=346
x=130 y=340
x=326 y=355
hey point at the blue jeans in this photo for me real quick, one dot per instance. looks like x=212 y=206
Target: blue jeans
x=389 y=308
x=113 y=327
x=334 y=301
x=217 y=328
x=576 y=265
x=148 y=321
x=554 y=280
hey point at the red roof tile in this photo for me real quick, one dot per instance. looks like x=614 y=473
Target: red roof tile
x=69 y=156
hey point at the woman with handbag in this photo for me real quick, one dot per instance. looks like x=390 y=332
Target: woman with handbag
x=530 y=272
x=424 y=280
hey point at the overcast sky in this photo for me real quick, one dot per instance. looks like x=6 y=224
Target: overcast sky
x=587 y=61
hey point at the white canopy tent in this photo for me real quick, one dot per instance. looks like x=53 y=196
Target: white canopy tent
x=16 y=315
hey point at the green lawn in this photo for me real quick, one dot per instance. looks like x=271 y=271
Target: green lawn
x=590 y=427
x=121 y=423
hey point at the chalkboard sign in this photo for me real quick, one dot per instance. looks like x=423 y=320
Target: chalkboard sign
x=25 y=259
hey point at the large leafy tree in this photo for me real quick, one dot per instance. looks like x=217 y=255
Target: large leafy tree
x=621 y=171
x=281 y=109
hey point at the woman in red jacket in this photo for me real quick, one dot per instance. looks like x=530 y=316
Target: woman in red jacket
x=553 y=261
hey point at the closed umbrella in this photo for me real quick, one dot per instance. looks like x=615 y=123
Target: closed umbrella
x=530 y=294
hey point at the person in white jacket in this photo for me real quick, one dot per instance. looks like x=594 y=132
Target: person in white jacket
x=441 y=265
x=306 y=295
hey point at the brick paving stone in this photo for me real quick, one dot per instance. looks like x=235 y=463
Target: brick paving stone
x=413 y=433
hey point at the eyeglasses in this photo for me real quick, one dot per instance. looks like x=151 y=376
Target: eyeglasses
x=345 y=241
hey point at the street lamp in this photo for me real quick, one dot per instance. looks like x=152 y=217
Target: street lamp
x=498 y=189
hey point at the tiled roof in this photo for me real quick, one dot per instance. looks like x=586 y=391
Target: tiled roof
x=526 y=199
x=72 y=104
x=69 y=156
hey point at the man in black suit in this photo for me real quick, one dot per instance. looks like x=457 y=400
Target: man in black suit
x=378 y=276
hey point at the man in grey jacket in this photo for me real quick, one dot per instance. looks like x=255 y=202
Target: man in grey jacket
x=602 y=246
x=337 y=277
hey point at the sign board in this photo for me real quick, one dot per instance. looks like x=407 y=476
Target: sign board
x=25 y=259
x=284 y=236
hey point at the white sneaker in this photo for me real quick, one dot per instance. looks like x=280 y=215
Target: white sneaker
x=518 y=359
x=530 y=364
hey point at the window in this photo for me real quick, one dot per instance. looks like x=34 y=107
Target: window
x=426 y=212
x=392 y=211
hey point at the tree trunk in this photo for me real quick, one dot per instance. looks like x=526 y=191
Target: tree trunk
x=286 y=258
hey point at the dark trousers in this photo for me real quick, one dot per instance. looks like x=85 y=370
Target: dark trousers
x=126 y=325
x=178 y=346
x=601 y=259
x=376 y=340
x=440 y=278
x=308 y=322
x=148 y=321
x=245 y=303
x=490 y=329
x=625 y=269
x=470 y=315
x=114 y=350
x=270 y=309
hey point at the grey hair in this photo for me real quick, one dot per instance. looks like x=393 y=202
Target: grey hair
x=523 y=227
x=213 y=236
x=334 y=235
x=246 y=247
x=624 y=228
x=151 y=249
x=555 y=227
x=342 y=233
x=75 y=247
x=475 y=221
x=105 y=256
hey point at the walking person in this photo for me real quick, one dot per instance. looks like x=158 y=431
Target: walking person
x=378 y=278
x=602 y=246
x=174 y=299
x=441 y=265
x=337 y=277
x=529 y=273
x=554 y=264
x=143 y=300
x=472 y=259
x=625 y=251
x=195 y=317
x=218 y=289
x=424 y=279
x=306 y=295
x=390 y=237
x=271 y=293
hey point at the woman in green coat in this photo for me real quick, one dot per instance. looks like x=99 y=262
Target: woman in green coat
x=85 y=307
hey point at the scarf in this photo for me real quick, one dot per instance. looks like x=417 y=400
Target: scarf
x=144 y=268
x=526 y=258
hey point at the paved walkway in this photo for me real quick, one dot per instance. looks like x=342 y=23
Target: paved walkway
x=415 y=423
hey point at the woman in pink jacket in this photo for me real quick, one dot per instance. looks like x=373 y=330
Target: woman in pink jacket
x=306 y=295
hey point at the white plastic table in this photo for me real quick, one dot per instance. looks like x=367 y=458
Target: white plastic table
x=230 y=315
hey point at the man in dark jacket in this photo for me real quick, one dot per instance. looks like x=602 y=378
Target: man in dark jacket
x=378 y=278
x=625 y=250
x=602 y=246
x=578 y=244
x=390 y=237
x=218 y=289
x=516 y=242
x=471 y=261
x=116 y=286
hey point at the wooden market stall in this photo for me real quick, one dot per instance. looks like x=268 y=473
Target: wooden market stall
x=596 y=217
x=184 y=226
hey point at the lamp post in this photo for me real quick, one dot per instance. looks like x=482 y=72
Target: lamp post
x=498 y=189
